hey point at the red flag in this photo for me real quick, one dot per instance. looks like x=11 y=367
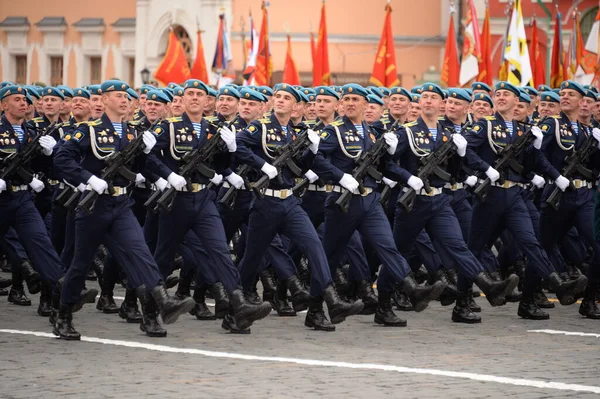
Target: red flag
x=290 y=72
x=485 y=65
x=450 y=68
x=174 y=66
x=313 y=51
x=537 y=63
x=321 y=74
x=556 y=68
x=384 y=69
x=199 y=70
x=264 y=67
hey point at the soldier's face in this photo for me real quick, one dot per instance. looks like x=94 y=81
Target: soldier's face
x=298 y=110
x=520 y=112
x=81 y=108
x=504 y=100
x=97 y=106
x=430 y=104
x=398 y=105
x=570 y=100
x=142 y=101
x=52 y=105
x=456 y=109
x=116 y=102
x=66 y=106
x=155 y=110
x=325 y=106
x=15 y=106
x=586 y=107
x=210 y=104
x=481 y=108
x=548 y=108
x=249 y=109
x=194 y=100
x=283 y=102
x=227 y=105
x=310 y=111
x=414 y=112
x=533 y=104
x=177 y=106
x=373 y=113
x=354 y=106
x=597 y=111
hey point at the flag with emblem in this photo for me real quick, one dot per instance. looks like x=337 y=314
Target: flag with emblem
x=556 y=67
x=536 y=60
x=252 y=52
x=264 y=66
x=516 y=52
x=174 y=66
x=321 y=73
x=485 y=63
x=591 y=62
x=503 y=72
x=384 y=69
x=223 y=61
x=290 y=72
x=450 y=68
x=199 y=70
x=471 y=53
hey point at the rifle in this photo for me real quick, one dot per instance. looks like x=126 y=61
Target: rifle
x=230 y=195
x=574 y=164
x=15 y=163
x=430 y=166
x=116 y=165
x=365 y=166
x=194 y=161
x=507 y=160
x=287 y=154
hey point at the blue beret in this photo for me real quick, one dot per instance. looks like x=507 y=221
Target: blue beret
x=432 y=87
x=299 y=87
x=531 y=91
x=550 y=96
x=146 y=88
x=40 y=90
x=28 y=98
x=373 y=99
x=353 y=88
x=95 y=90
x=132 y=93
x=303 y=96
x=290 y=89
x=460 y=94
x=166 y=92
x=310 y=94
x=252 y=87
x=481 y=86
x=483 y=97
x=114 y=85
x=416 y=89
x=589 y=93
x=385 y=91
x=65 y=90
x=401 y=91
x=32 y=91
x=470 y=91
x=446 y=93
x=542 y=88
x=172 y=85
x=415 y=97
x=375 y=90
x=10 y=90
x=6 y=83
x=266 y=91
x=508 y=86
x=569 y=84
x=53 y=91
x=327 y=91
x=178 y=91
x=81 y=92
x=229 y=91
x=212 y=92
x=195 y=84
x=592 y=88
x=158 y=96
x=524 y=97
x=253 y=95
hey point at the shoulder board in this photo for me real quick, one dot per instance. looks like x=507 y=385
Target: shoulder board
x=66 y=124
x=175 y=119
x=80 y=123
x=410 y=124
x=211 y=118
x=384 y=120
x=441 y=118
x=489 y=118
x=95 y=122
x=39 y=119
x=337 y=122
x=265 y=120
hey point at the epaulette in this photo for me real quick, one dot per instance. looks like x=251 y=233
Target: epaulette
x=384 y=120
x=310 y=122
x=265 y=120
x=80 y=123
x=410 y=124
x=337 y=122
x=489 y=118
x=441 y=118
x=66 y=124
x=175 y=119
x=95 y=122
x=39 y=119
x=211 y=118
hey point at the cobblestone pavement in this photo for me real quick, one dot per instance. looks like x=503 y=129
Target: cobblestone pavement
x=432 y=357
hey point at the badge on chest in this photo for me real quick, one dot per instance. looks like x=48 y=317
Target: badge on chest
x=567 y=138
x=184 y=138
x=106 y=141
x=8 y=143
x=275 y=138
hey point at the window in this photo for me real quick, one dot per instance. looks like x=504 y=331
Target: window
x=21 y=69
x=185 y=41
x=95 y=70
x=56 y=71
x=131 y=71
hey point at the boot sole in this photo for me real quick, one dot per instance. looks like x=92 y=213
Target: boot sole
x=44 y=314
x=153 y=335
x=383 y=323
x=34 y=284
x=129 y=319
x=355 y=309
x=500 y=300
x=465 y=321
x=421 y=305
x=185 y=307
x=319 y=328
x=567 y=300
x=66 y=338
x=529 y=317
x=245 y=323
x=226 y=327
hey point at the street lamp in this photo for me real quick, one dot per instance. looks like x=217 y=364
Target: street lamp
x=145 y=75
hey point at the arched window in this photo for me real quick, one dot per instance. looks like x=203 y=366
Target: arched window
x=587 y=21
x=185 y=41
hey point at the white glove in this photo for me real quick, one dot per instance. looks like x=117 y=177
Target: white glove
x=176 y=181
x=562 y=183
x=314 y=141
x=539 y=137
x=492 y=174
x=81 y=187
x=269 y=170
x=392 y=142
x=229 y=138
x=37 y=185
x=140 y=180
x=471 y=181
x=98 y=185
x=235 y=180
x=461 y=144
x=538 y=181
x=389 y=182
x=47 y=143
x=2 y=185
x=311 y=176
x=161 y=184
x=149 y=141
x=349 y=183
x=596 y=134
x=217 y=179
x=415 y=183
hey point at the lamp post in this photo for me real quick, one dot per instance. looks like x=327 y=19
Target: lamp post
x=145 y=75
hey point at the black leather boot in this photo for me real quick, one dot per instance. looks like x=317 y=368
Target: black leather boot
x=401 y=300
x=45 y=307
x=420 y=295
x=448 y=296
x=567 y=291
x=462 y=313
x=528 y=309
x=171 y=281
x=221 y=297
x=88 y=295
x=106 y=302
x=91 y=275
x=384 y=314
x=339 y=309
x=496 y=290
x=300 y=297
x=171 y=308
x=472 y=304
x=542 y=300
x=150 y=324
x=5 y=282
x=252 y=296
x=280 y=302
x=365 y=292
x=269 y=283
x=201 y=310
x=17 y=291
x=315 y=317
x=31 y=277
x=514 y=296
x=246 y=313
x=588 y=307
x=184 y=287
x=63 y=327
x=129 y=308
x=342 y=285
x=229 y=325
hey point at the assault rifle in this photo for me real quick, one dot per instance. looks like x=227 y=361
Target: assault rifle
x=230 y=195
